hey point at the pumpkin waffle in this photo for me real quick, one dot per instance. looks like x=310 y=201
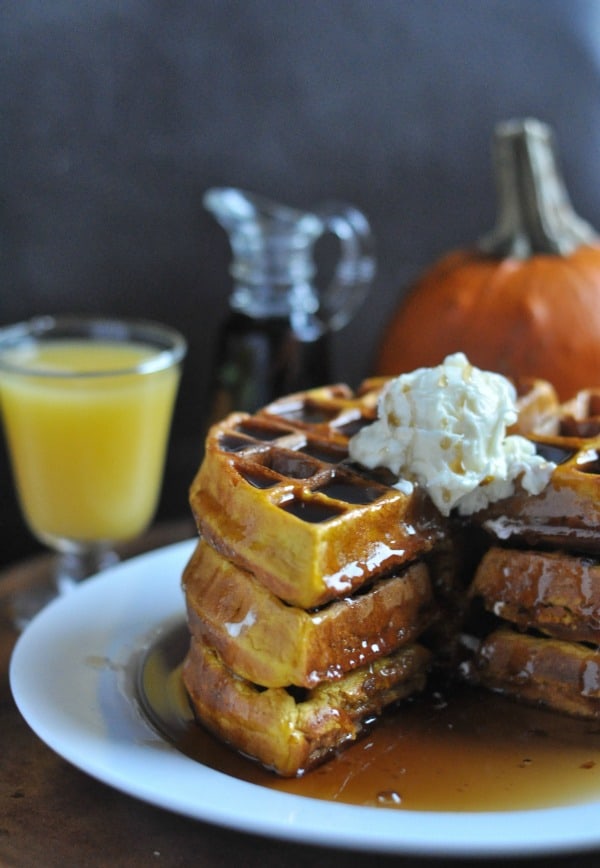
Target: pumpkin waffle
x=537 y=405
x=566 y=513
x=277 y=495
x=563 y=676
x=292 y=731
x=555 y=593
x=275 y=645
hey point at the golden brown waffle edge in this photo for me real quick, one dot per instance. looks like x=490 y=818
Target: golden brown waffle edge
x=276 y=645
x=291 y=735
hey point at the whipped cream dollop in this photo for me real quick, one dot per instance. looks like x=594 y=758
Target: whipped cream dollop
x=444 y=428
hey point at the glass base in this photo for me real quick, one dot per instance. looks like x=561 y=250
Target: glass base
x=49 y=576
x=26 y=587
x=24 y=607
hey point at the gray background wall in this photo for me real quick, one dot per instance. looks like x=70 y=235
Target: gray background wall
x=117 y=116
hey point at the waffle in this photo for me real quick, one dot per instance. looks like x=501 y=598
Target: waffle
x=276 y=494
x=553 y=592
x=538 y=407
x=275 y=645
x=566 y=513
x=580 y=417
x=563 y=676
x=290 y=732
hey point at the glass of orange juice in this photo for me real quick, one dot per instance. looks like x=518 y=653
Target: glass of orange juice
x=87 y=405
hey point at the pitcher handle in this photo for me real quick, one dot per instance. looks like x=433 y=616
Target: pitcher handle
x=355 y=267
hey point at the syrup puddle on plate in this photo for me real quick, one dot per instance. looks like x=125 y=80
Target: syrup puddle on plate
x=476 y=752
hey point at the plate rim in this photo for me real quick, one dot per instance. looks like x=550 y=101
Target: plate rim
x=80 y=736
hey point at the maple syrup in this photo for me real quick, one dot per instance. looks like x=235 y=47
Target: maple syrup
x=285 y=300
x=473 y=751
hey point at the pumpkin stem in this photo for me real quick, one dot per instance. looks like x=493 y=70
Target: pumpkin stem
x=535 y=214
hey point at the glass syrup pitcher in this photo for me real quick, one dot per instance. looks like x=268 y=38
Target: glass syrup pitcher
x=275 y=340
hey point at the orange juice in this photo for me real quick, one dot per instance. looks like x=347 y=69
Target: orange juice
x=87 y=448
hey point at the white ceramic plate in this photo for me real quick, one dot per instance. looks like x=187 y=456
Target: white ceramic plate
x=69 y=676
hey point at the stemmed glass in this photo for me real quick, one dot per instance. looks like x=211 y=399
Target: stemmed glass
x=87 y=405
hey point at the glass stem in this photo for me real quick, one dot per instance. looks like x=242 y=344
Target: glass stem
x=74 y=566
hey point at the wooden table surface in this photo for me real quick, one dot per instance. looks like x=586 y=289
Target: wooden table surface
x=52 y=814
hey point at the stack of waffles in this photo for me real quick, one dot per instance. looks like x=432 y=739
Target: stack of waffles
x=310 y=588
x=540 y=580
x=321 y=593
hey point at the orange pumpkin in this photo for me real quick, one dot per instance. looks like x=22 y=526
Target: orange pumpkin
x=526 y=300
